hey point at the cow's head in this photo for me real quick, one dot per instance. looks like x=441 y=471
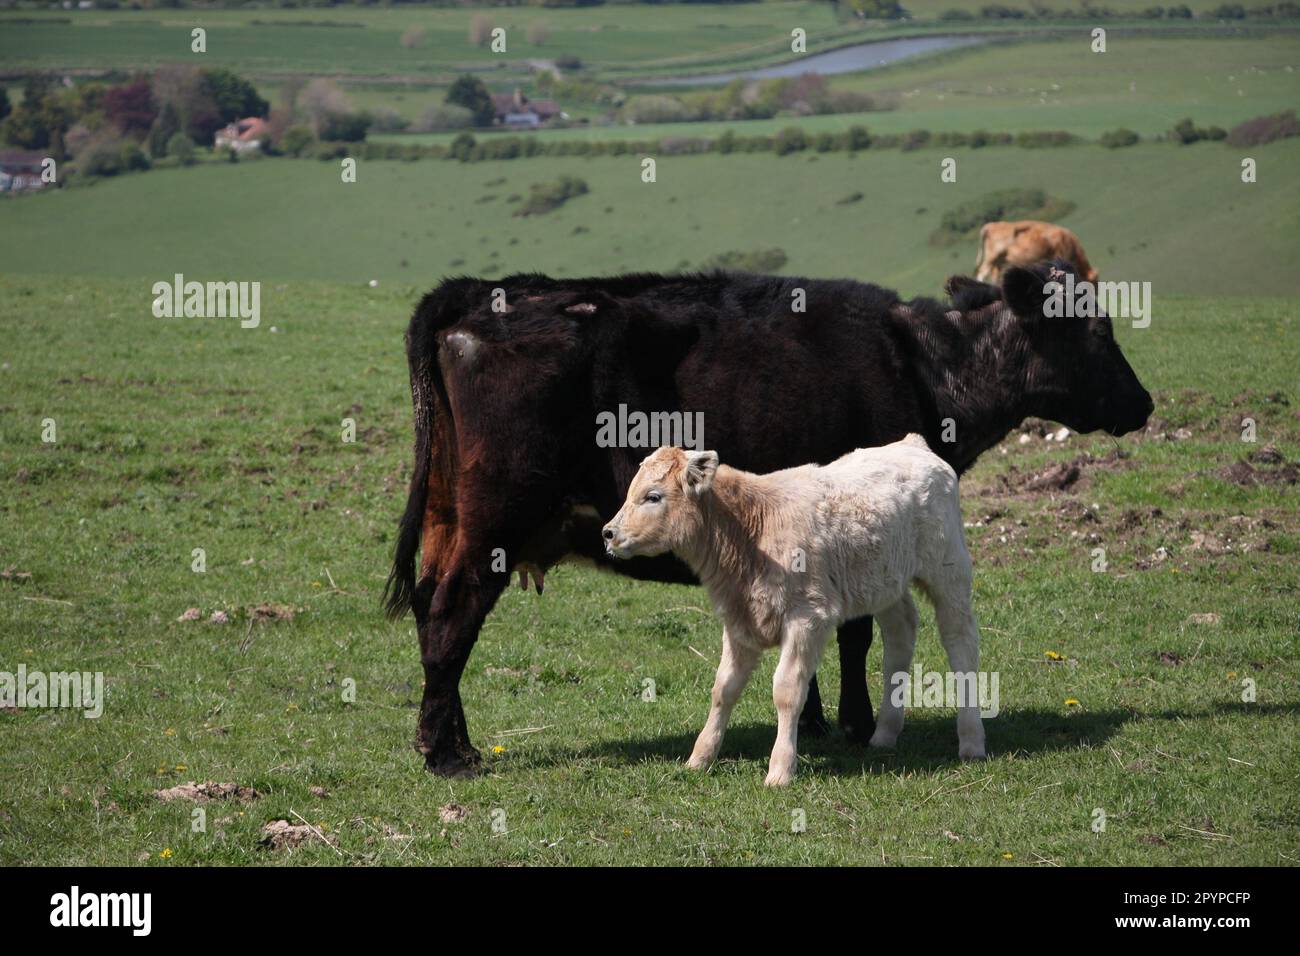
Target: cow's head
x=1073 y=370
x=662 y=511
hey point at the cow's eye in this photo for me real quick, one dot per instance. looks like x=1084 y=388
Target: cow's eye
x=653 y=497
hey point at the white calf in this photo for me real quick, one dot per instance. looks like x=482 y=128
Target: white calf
x=788 y=556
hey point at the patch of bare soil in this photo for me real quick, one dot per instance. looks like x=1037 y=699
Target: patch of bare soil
x=1059 y=476
x=208 y=790
x=1266 y=466
x=283 y=835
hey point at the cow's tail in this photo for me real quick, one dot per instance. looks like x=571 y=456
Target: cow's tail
x=435 y=450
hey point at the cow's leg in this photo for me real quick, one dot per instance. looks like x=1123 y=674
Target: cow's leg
x=855 y=700
x=449 y=619
x=898 y=631
x=801 y=650
x=734 y=670
x=812 y=721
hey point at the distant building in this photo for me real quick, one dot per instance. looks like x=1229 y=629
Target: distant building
x=243 y=136
x=20 y=171
x=518 y=111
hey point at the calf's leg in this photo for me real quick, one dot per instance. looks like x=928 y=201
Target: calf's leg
x=801 y=649
x=734 y=670
x=898 y=631
x=961 y=639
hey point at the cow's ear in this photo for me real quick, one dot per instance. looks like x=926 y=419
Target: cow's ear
x=970 y=295
x=1023 y=290
x=701 y=466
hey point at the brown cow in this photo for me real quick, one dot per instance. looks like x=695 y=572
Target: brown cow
x=1023 y=243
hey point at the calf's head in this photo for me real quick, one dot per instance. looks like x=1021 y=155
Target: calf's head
x=1071 y=368
x=662 y=511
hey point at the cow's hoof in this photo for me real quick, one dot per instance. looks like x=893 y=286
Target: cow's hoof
x=454 y=765
x=857 y=727
x=813 y=725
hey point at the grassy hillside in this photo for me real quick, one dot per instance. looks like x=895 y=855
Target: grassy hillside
x=413 y=222
x=177 y=434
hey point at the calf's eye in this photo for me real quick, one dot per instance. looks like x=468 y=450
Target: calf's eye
x=654 y=497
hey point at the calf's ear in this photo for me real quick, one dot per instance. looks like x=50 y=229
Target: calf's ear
x=1023 y=290
x=701 y=466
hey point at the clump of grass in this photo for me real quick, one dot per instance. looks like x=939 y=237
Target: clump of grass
x=547 y=197
x=755 y=260
x=963 y=222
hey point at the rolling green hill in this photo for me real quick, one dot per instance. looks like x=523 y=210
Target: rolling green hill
x=1155 y=212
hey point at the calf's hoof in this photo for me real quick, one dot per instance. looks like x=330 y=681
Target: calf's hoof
x=696 y=762
x=883 y=739
x=971 y=752
x=778 y=777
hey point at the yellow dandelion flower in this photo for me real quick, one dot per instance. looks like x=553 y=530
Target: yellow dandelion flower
x=180 y=767
x=170 y=732
x=498 y=749
x=1052 y=655
x=290 y=708
x=1071 y=702
x=1008 y=856
x=1232 y=675
x=166 y=854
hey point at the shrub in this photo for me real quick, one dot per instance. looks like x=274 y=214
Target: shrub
x=296 y=140
x=964 y=221
x=462 y=148
x=546 y=197
x=182 y=148
x=655 y=109
x=792 y=139
x=445 y=116
x=1117 y=138
x=1264 y=129
x=345 y=127
x=568 y=62
x=757 y=260
x=1186 y=132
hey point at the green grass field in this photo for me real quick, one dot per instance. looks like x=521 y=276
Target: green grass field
x=414 y=222
x=178 y=434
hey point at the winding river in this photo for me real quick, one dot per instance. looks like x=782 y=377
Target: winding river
x=849 y=59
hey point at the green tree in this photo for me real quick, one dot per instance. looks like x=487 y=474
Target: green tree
x=471 y=93
x=234 y=96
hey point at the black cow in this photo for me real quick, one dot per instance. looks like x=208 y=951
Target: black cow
x=508 y=378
